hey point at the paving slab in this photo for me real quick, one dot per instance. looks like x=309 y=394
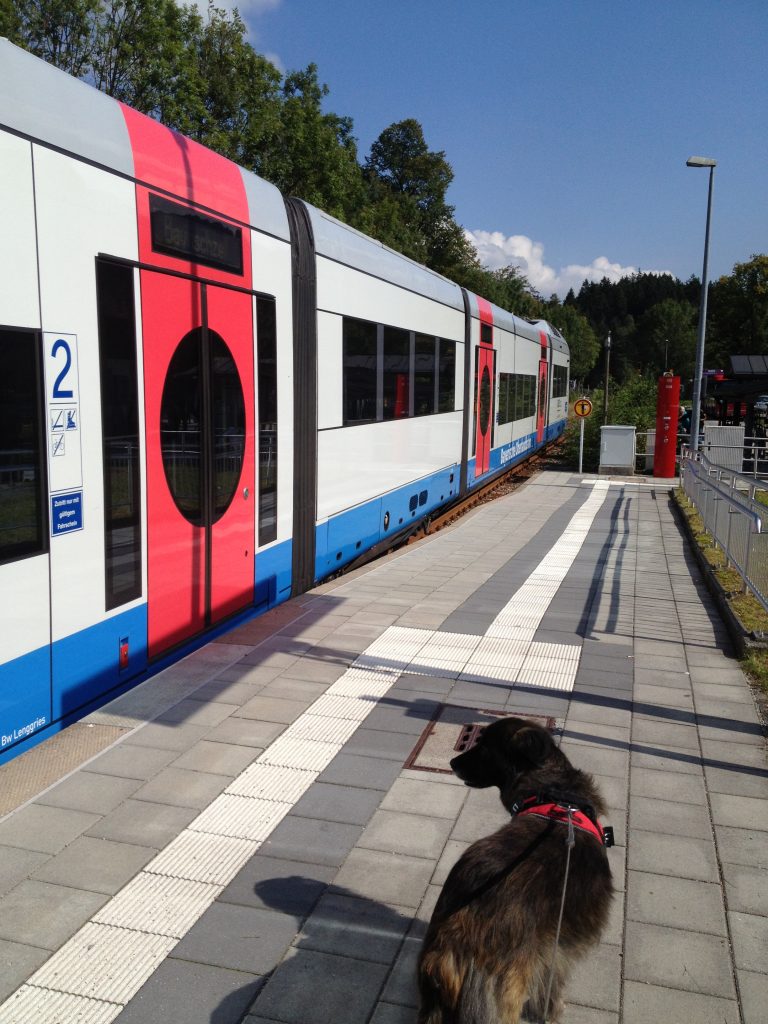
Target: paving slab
x=677 y=959
x=240 y=938
x=648 y=1004
x=97 y=865
x=41 y=914
x=90 y=792
x=44 y=829
x=311 y=987
x=183 y=992
x=17 y=962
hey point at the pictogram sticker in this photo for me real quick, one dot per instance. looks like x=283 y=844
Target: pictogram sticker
x=582 y=407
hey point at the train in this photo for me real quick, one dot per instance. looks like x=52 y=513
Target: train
x=212 y=397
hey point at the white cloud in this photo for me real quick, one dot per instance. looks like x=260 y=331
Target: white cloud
x=246 y=7
x=497 y=250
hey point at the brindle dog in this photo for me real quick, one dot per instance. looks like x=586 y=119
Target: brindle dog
x=490 y=945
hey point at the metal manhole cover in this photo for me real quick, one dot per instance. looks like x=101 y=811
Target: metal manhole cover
x=453 y=730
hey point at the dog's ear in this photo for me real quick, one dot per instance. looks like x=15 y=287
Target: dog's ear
x=532 y=745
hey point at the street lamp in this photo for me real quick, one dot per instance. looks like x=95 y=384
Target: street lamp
x=607 y=376
x=701 y=161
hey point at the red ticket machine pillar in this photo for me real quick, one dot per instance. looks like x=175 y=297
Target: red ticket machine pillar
x=667 y=410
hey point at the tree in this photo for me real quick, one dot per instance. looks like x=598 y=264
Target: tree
x=738 y=311
x=314 y=155
x=401 y=165
x=59 y=31
x=582 y=341
x=666 y=339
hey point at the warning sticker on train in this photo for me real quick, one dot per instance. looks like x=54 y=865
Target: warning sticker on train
x=582 y=407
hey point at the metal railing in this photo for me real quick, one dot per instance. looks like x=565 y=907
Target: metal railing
x=733 y=515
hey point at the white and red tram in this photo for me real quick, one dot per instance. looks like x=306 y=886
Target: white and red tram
x=211 y=397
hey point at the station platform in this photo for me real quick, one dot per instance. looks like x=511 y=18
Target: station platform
x=259 y=833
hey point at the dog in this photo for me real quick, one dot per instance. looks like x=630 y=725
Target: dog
x=489 y=953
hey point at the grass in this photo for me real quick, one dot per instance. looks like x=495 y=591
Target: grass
x=745 y=607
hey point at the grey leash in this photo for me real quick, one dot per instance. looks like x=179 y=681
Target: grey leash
x=570 y=842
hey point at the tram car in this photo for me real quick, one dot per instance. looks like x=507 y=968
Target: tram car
x=212 y=397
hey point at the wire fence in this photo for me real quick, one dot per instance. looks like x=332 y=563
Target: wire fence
x=733 y=507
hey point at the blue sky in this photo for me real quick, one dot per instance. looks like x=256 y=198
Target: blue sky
x=567 y=122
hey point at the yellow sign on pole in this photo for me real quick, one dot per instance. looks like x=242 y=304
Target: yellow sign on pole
x=582 y=407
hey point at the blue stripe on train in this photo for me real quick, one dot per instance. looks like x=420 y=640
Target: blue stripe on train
x=344 y=537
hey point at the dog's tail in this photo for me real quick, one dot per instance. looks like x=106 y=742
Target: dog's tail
x=479 y=1001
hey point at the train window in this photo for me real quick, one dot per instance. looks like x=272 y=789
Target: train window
x=506 y=397
x=447 y=376
x=397 y=374
x=360 y=371
x=425 y=375
x=227 y=424
x=266 y=340
x=559 y=381
x=181 y=419
x=524 y=385
x=23 y=522
x=119 y=432
x=486 y=334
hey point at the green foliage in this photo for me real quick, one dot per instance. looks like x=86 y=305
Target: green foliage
x=315 y=157
x=738 y=311
x=632 y=403
x=412 y=181
x=59 y=31
x=666 y=339
x=582 y=341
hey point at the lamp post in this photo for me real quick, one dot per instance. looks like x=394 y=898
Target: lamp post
x=701 y=161
x=607 y=376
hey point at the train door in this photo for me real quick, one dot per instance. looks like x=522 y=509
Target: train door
x=543 y=403
x=484 y=366
x=27 y=421
x=199 y=395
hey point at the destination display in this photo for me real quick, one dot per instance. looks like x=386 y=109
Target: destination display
x=179 y=231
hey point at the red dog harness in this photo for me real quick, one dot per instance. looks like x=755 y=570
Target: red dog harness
x=560 y=812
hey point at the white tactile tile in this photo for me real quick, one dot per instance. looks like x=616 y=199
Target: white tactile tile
x=32 y=1005
x=104 y=962
x=331 y=705
x=363 y=683
x=272 y=782
x=452 y=641
x=158 y=904
x=242 y=817
x=400 y=638
x=480 y=673
x=498 y=651
x=436 y=666
x=203 y=857
x=292 y=752
x=322 y=729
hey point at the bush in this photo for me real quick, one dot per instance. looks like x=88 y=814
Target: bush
x=632 y=404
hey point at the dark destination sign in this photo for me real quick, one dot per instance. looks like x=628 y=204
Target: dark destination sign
x=179 y=231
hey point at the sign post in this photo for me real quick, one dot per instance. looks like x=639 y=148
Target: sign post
x=583 y=408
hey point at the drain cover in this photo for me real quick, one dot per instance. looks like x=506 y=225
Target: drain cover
x=453 y=730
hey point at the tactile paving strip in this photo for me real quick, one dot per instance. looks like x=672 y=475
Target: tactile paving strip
x=272 y=782
x=158 y=905
x=32 y=1005
x=203 y=857
x=101 y=955
x=241 y=817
